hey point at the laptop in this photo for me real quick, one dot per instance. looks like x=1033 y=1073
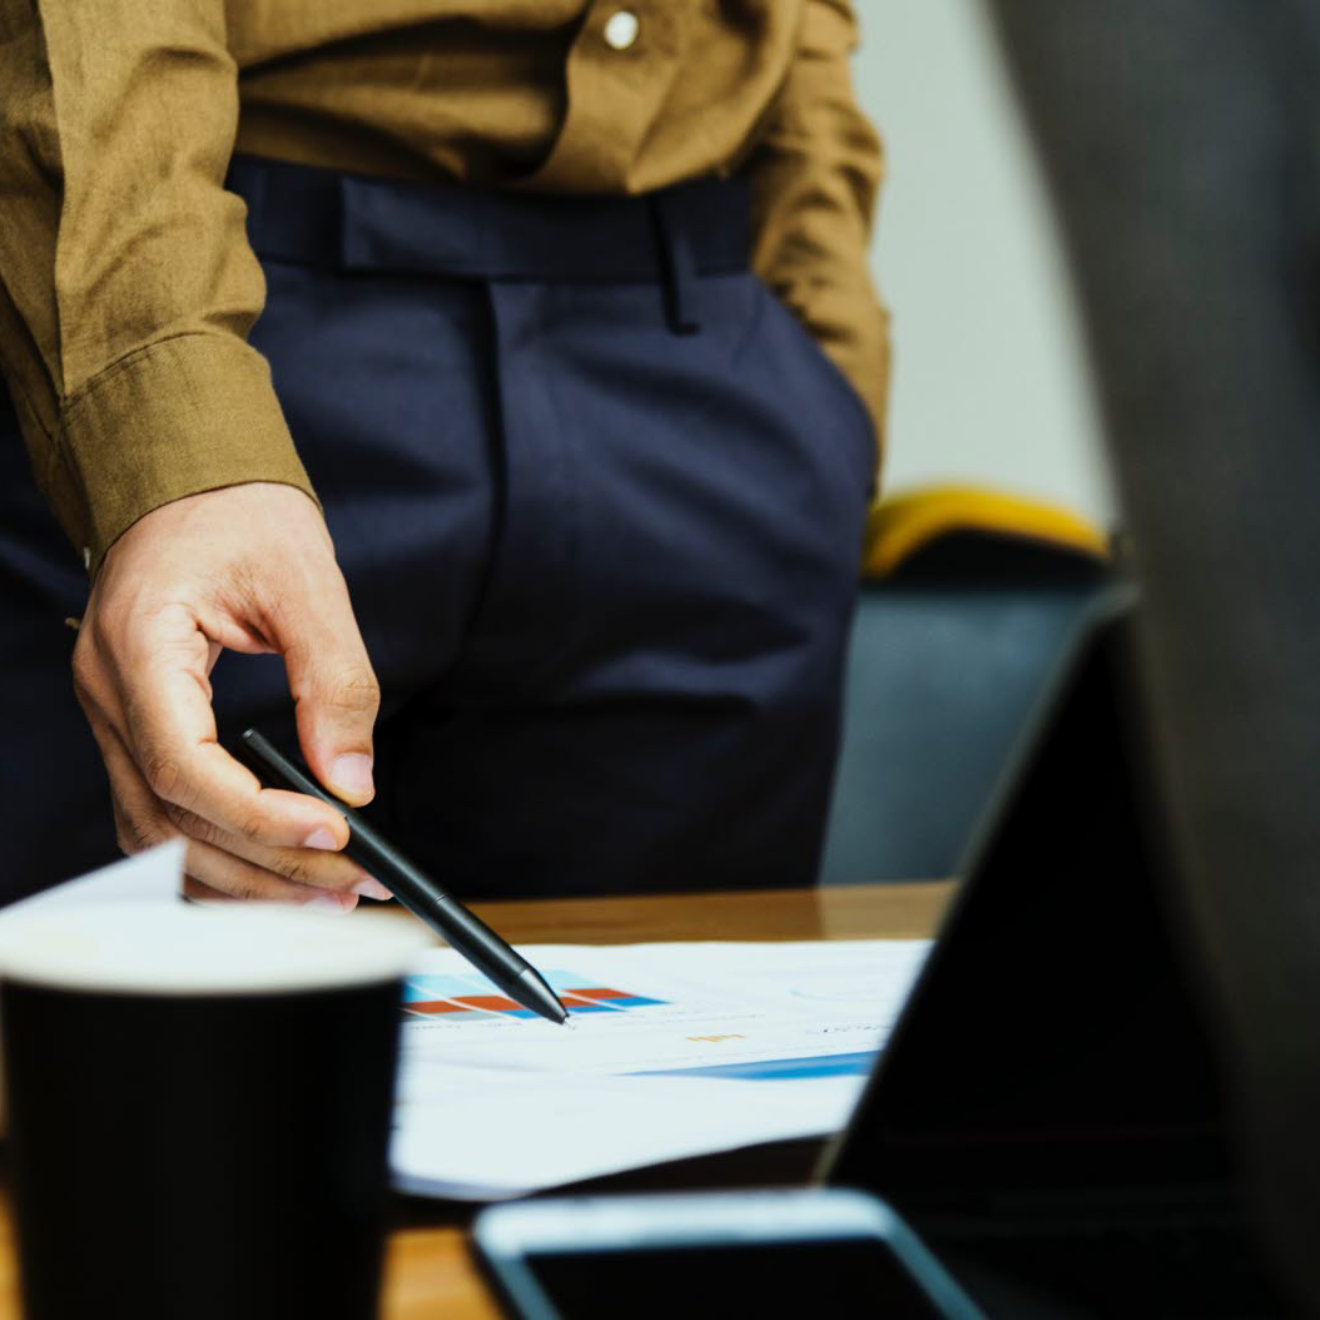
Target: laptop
x=1047 y=1112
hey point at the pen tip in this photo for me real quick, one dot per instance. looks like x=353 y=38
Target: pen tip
x=541 y=998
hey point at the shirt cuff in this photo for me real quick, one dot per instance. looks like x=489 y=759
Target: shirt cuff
x=180 y=416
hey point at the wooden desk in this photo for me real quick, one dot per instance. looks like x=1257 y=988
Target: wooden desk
x=427 y=1270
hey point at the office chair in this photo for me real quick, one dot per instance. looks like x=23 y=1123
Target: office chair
x=967 y=599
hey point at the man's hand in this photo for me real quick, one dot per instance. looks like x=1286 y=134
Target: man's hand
x=250 y=568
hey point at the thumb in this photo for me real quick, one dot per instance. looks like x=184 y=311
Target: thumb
x=335 y=691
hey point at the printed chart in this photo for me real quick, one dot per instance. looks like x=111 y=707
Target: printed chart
x=468 y=998
x=670 y=1051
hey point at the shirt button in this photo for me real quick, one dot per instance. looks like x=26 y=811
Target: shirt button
x=87 y=556
x=621 y=29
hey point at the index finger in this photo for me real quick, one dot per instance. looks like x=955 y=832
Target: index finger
x=170 y=728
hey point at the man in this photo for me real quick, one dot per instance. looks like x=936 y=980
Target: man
x=519 y=451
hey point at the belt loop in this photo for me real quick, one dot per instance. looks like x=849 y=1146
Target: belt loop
x=247 y=180
x=294 y=213
x=353 y=245
x=678 y=268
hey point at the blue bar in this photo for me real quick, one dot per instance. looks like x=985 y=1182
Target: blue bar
x=778 y=1070
x=419 y=989
x=558 y=979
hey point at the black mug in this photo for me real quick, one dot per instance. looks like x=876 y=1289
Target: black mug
x=199 y=1108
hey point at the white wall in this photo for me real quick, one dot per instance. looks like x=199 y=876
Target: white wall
x=990 y=383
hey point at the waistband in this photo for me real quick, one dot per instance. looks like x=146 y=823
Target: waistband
x=322 y=217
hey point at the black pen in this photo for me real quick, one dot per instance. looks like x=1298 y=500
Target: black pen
x=421 y=895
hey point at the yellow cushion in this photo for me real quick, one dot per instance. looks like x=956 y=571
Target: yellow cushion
x=901 y=525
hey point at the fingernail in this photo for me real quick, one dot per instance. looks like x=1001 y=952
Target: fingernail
x=340 y=904
x=350 y=775
x=321 y=837
x=370 y=888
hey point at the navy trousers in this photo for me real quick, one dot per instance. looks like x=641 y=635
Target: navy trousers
x=599 y=500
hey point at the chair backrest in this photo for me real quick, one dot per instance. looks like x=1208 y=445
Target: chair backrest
x=971 y=597
x=939 y=683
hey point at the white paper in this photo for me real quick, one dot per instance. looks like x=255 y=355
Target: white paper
x=152 y=876
x=738 y=1044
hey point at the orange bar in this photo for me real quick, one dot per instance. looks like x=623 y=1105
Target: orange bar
x=495 y=1003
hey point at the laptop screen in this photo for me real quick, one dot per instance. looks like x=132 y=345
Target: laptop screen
x=1051 y=1044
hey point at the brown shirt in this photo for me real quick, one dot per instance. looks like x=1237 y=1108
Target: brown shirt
x=127 y=287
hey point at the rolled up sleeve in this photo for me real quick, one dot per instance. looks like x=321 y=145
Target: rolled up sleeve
x=127 y=286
